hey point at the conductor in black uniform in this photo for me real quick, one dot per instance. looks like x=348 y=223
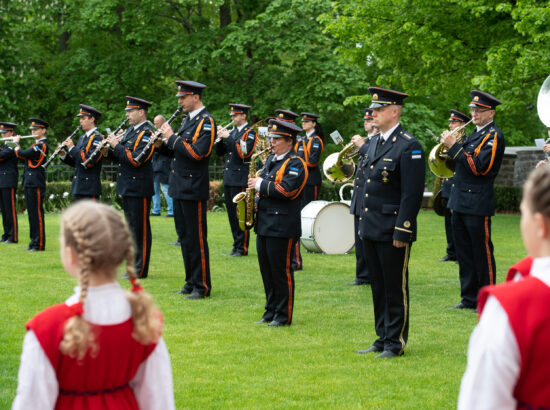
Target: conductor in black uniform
x=278 y=225
x=8 y=185
x=86 y=180
x=237 y=146
x=135 y=179
x=191 y=147
x=394 y=171
x=456 y=120
x=477 y=162
x=34 y=182
x=361 y=269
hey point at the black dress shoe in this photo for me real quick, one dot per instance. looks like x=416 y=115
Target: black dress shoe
x=462 y=306
x=32 y=249
x=155 y=214
x=169 y=216
x=183 y=291
x=177 y=243
x=261 y=321
x=447 y=258
x=357 y=283
x=274 y=323
x=372 y=349
x=8 y=241
x=386 y=354
x=195 y=295
x=237 y=254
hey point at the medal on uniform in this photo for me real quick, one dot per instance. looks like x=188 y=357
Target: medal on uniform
x=385 y=176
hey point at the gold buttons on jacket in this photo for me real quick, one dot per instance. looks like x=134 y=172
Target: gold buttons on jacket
x=366 y=209
x=372 y=167
x=366 y=195
x=368 y=181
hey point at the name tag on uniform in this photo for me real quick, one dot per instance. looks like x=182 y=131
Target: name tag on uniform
x=416 y=154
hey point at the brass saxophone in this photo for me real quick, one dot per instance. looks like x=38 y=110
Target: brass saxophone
x=246 y=214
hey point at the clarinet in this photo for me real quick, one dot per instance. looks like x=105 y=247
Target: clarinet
x=46 y=164
x=156 y=136
x=102 y=145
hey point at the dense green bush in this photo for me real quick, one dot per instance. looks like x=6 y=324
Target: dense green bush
x=508 y=198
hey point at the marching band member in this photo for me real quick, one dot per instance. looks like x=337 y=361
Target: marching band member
x=394 y=170
x=310 y=149
x=508 y=352
x=472 y=200
x=278 y=227
x=86 y=180
x=135 y=179
x=191 y=147
x=236 y=169
x=456 y=120
x=361 y=268
x=34 y=181
x=8 y=185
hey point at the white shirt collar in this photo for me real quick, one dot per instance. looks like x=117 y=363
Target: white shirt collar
x=541 y=269
x=308 y=134
x=88 y=133
x=280 y=157
x=139 y=125
x=193 y=114
x=387 y=134
x=242 y=126
x=478 y=128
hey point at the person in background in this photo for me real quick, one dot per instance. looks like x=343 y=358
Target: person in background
x=161 y=175
x=9 y=176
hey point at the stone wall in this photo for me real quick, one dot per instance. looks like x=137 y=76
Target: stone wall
x=517 y=164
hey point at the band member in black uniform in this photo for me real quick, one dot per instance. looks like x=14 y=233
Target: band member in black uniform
x=394 y=170
x=8 y=185
x=310 y=149
x=278 y=223
x=191 y=147
x=361 y=269
x=34 y=182
x=235 y=174
x=477 y=162
x=135 y=180
x=86 y=180
x=457 y=119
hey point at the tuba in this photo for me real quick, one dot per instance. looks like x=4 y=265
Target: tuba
x=543 y=108
x=437 y=161
x=339 y=166
x=245 y=200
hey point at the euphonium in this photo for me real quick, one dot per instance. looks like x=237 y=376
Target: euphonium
x=437 y=161
x=339 y=166
x=245 y=200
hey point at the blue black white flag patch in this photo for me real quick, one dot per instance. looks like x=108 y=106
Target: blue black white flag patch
x=416 y=154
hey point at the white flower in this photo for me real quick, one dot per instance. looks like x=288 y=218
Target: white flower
x=51 y=196
x=65 y=194
x=111 y=184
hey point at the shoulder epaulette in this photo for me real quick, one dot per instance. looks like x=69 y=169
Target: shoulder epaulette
x=406 y=135
x=492 y=130
x=205 y=115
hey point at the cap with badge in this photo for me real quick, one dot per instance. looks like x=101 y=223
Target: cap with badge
x=280 y=129
x=239 y=109
x=7 y=127
x=286 y=115
x=189 y=88
x=308 y=116
x=133 y=103
x=368 y=114
x=382 y=97
x=458 y=116
x=485 y=100
x=37 y=123
x=88 y=111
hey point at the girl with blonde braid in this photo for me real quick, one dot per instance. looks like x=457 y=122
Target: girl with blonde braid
x=102 y=347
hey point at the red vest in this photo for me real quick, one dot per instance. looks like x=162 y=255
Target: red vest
x=523 y=267
x=527 y=304
x=98 y=382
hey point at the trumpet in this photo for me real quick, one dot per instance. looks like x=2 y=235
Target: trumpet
x=157 y=135
x=102 y=145
x=225 y=127
x=437 y=161
x=59 y=148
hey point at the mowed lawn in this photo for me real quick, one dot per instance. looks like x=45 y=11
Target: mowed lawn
x=220 y=359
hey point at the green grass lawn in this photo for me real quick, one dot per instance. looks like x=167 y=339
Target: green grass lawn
x=221 y=359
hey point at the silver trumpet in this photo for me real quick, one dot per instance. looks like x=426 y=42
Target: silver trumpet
x=225 y=127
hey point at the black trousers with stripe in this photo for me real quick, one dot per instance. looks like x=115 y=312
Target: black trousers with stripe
x=361 y=268
x=241 y=238
x=136 y=211
x=9 y=214
x=34 y=199
x=475 y=253
x=451 y=249
x=389 y=278
x=190 y=220
x=274 y=258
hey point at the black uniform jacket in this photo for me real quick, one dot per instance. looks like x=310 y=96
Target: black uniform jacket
x=133 y=178
x=86 y=180
x=477 y=161
x=191 y=147
x=279 y=208
x=359 y=182
x=34 y=174
x=8 y=167
x=161 y=168
x=237 y=162
x=393 y=189
x=310 y=150
x=446 y=186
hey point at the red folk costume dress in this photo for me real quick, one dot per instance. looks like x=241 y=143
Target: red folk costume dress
x=508 y=357
x=123 y=374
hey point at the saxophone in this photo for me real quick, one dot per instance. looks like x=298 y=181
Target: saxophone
x=246 y=214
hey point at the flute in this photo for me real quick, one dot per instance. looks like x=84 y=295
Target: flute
x=102 y=145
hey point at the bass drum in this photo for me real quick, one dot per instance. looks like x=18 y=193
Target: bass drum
x=327 y=227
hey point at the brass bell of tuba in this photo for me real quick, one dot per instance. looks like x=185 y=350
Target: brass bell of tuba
x=438 y=159
x=339 y=166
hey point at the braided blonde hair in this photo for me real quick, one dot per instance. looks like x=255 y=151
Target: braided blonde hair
x=101 y=240
x=536 y=191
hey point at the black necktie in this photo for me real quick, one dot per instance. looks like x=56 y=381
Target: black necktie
x=380 y=143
